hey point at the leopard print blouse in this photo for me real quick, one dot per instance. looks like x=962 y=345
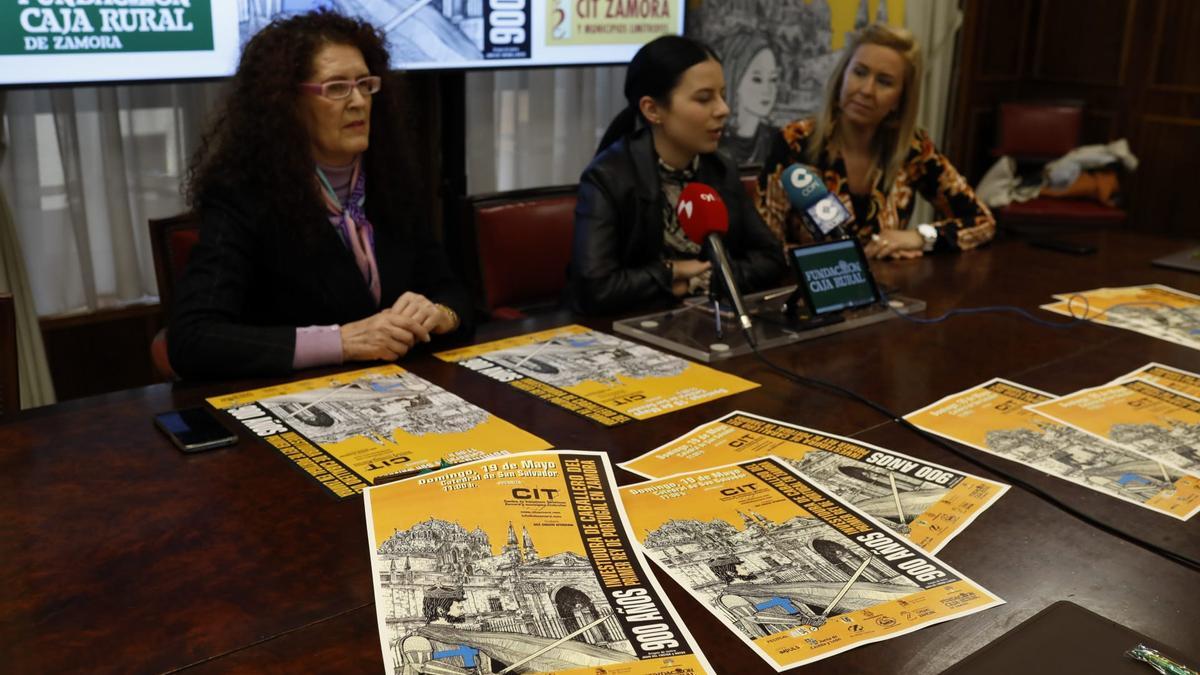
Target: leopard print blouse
x=965 y=222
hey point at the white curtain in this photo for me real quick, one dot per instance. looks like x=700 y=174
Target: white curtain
x=529 y=128
x=935 y=24
x=86 y=168
x=36 y=386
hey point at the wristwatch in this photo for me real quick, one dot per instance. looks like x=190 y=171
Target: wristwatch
x=929 y=234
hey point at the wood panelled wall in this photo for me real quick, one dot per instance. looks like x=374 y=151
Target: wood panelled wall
x=1133 y=64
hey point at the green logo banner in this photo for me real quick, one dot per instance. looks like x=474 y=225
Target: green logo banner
x=31 y=27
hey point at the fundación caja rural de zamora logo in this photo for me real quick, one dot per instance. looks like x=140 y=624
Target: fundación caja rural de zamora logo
x=31 y=27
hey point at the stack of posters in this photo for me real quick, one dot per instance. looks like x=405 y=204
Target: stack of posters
x=596 y=375
x=1152 y=309
x=796 y=572
x=357 y=428
x=928 y=503
x=1121 y=440
x=1160 y=423
x=518 y=564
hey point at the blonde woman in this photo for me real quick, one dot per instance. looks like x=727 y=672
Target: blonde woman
x=866 y=145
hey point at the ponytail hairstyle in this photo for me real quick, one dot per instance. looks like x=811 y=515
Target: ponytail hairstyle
x=655 y=71
x=895 y=134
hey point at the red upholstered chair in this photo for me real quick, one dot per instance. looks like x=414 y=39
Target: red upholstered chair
x=171 y=240
x=749 y=176
x=522 y=240
x=1040 y=133
x=10 y=390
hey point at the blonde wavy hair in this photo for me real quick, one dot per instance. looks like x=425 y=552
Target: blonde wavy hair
x=895 y=133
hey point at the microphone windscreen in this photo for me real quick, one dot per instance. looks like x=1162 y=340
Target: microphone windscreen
x=701 y=212
x=804 y=186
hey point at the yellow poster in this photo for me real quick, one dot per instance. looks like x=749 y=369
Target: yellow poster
x=1165 y=376
x=1154 y=421
x=1153 y=309
x=798 y=574
x=586 y=22
x=994 y=417
x=599 y=376
x=926 y=502
x=523 y=564
x=355 y=429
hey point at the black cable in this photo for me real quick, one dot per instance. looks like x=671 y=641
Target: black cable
x=1075 y=320
x=1014 y=480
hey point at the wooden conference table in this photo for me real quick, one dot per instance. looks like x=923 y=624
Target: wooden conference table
x=119 y=554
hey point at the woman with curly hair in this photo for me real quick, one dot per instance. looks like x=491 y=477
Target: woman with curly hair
x=873 y=157
x=309 y=252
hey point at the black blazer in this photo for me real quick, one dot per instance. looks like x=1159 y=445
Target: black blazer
x=616 y=259
x=252 y=280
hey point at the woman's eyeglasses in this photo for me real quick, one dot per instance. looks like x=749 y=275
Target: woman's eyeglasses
x=339 y=89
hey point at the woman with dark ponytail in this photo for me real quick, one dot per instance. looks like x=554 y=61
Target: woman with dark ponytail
x=629 y=251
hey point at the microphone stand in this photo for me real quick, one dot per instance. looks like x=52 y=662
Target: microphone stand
x=715 y=296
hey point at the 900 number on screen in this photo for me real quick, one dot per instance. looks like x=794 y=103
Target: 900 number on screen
x=506 y=21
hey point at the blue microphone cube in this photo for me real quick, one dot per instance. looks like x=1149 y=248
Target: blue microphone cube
x=828 y=213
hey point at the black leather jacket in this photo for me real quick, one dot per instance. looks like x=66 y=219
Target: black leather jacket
x=616 y=260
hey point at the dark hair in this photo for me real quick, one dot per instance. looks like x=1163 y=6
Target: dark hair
x=655 y=71
x=257 y=142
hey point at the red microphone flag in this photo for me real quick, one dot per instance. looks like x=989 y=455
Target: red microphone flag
x=701 y=212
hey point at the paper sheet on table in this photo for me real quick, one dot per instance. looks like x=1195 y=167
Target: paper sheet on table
x=602 y=377
x=524 y=561
x=926 y=502
x=994 y=417
x=354 y=429
x=1160 y=423
x=796 y=573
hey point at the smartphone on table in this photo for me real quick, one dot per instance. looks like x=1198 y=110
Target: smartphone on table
x=194 y=429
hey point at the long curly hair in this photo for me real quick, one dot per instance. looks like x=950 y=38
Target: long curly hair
x=258 y=143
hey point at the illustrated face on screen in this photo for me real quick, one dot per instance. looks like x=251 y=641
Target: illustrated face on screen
x=758 y=87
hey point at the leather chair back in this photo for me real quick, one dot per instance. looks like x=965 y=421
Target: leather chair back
x=522 y=240
x=1039 y=131
x=750 y=184
x=171 y=240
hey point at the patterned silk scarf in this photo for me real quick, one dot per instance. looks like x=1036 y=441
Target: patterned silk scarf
x=353 y=225
x=675 y=242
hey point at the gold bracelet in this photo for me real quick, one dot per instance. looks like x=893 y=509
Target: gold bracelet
x=451 y=314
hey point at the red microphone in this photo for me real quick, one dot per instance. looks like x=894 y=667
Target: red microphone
x=704 y=218
x=701 y=212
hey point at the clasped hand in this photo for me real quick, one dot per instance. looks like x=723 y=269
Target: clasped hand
x=895 y=244
x=682 y=272
x=391 y=333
